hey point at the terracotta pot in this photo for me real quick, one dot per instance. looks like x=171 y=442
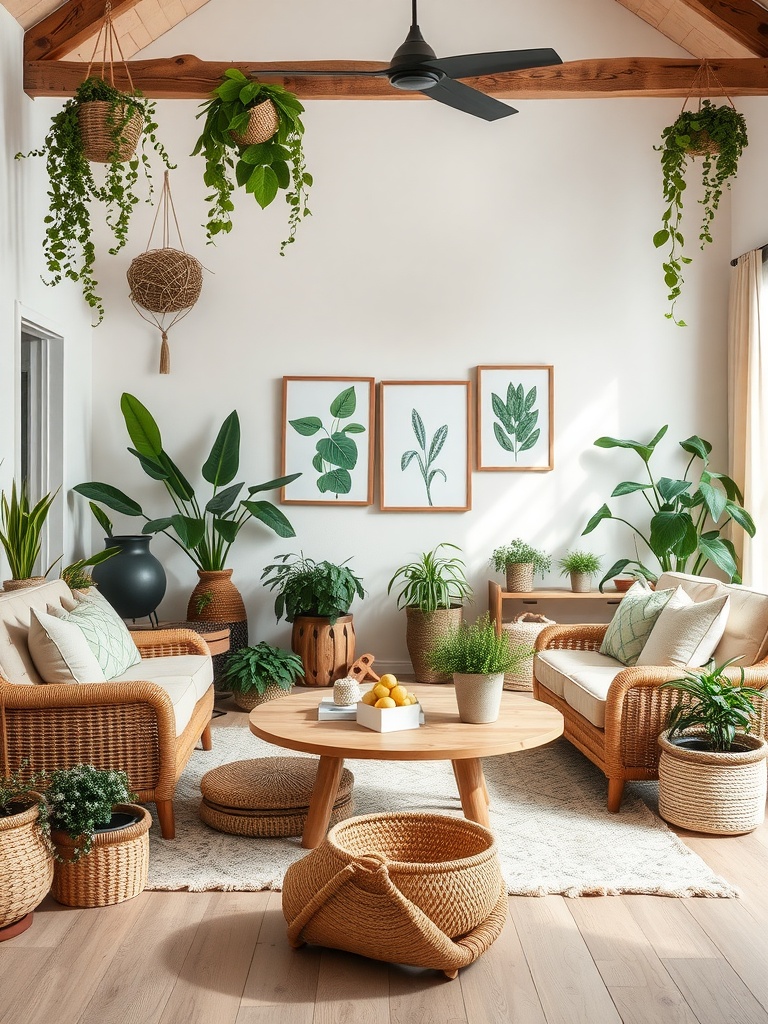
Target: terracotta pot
x=478 y=696
x=217 y=599
x=26 y=869
x=422 y=632
x=326 y=651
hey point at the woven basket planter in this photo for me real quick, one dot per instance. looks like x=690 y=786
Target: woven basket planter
x=716 y=793
x=217 y=599
x=581 y=582
x=251 y=699
x=523 y=630
x=520 y=577
x=263 y=122
x=115 y=870
x=421 y=889
x=98 y=124
x=31 y=581
x=702 y=144
x=26 y=865
x=165 y=280
x=422 y=632
x=326 y=651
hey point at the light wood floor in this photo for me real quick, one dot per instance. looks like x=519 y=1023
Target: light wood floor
x=222 y=958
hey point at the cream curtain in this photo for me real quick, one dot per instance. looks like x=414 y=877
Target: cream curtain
x=747 y=413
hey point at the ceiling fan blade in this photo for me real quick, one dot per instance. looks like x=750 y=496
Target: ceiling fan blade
x=470 y=65
x=471 y=101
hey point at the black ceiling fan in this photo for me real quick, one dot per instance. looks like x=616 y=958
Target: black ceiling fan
x=416 y=68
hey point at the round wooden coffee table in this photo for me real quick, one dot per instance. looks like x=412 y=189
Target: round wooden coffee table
x=292 y=722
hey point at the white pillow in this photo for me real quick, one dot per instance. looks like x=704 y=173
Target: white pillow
x=687 y=634
x=106 y=634
x=60 y=651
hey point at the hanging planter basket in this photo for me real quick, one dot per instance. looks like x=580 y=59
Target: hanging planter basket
x=263 y=122
x=104 y=134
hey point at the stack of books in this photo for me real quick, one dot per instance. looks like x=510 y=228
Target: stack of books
x=327 y=711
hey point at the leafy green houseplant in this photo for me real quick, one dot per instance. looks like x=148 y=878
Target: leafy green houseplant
x=719 y=135
x=80 y=801
x=432 y=591
x=261 y=673
x=306 y=587
x=21 y=527
x=521 y=561
x=68 y=246
x=686 y=517
x=263 y=167
x=581 y=566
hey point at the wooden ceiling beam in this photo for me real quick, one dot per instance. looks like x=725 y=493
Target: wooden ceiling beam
x=68 y=27
x=188 y=77
x=743 y=20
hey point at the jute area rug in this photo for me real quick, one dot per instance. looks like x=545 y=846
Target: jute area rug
x=548 y=814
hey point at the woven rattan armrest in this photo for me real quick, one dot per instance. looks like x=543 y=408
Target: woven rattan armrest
x=578 y=637
x=160 y=643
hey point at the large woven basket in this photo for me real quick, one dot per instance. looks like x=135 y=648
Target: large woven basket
x=717 y=793
x=523 y=630
x=26 y=865
x=421 y=889
x=422 y=632
x=252 y=698
x=263 y=122
x=115 y=870
x=165 y=280
x=99 y=125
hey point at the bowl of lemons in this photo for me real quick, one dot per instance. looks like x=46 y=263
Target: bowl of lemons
x=389 y=706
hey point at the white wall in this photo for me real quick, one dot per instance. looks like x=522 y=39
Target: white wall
x=23 y=205
x=750 y=209
x=438 y=242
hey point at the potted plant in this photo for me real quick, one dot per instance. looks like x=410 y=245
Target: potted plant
x=26 y=863
x=21 y=528
x=253 y=137
x=316 y=598
x=432 y=591
x=477 y=658
x=76 y=574
x=712 y=774
x=687 y=517
x=717 y=133
x=100 y=838
x=261 y=673
x=205 y=531
x=581 y=566
x=520 y=561
x=118 y=120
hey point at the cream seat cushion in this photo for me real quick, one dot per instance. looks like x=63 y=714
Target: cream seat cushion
x=185 y=678
x=580 y=678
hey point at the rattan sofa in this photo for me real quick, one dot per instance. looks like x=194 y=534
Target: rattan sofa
x=614 y=714
x=133 y=724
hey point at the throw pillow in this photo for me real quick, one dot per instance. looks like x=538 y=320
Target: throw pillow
x=631 y=626
x=60 y=651
x=106 y=634
x=687 y=635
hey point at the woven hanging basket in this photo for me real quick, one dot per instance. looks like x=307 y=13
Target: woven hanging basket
x=103 y=137
x=165 y=280
x=523 y=630
x=702 y=144
x=263 y=122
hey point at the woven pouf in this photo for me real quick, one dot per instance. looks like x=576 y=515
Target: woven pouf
x=408 y=888
x=267 y=796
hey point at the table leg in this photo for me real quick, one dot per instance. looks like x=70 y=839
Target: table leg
x=471 y=783
x=322 y=800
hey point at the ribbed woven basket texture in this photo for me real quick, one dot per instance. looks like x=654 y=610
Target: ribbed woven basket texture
x=262 y=124
x=251 y=699
x=422 y=632
x=423 y=889
x=701 y=144
x=165 y=280
x=26 y=866
x=523 y=630
x=98 y=125
x=717 y=793
x=31 y=581
x=520 y=577
x=115 y=870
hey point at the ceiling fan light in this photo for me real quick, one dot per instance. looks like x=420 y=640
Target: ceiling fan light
x=415 y=80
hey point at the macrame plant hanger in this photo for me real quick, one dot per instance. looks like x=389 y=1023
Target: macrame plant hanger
x=165 y=283
x=705 y=83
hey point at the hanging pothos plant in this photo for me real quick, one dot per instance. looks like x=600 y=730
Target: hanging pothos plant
x=72 y=188
x=263 y=167
x=719 y=135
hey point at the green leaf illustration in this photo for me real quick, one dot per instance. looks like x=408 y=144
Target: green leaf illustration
x=307 y=425
x=344 y=404
x=338 y=481
x=339 y=450
x=516 y=429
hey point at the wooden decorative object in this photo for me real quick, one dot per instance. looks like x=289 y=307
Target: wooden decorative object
x=326 y=651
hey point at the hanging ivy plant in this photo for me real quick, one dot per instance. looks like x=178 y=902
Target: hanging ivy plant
x=72 y=188
x=262 y=168
x=719 y=135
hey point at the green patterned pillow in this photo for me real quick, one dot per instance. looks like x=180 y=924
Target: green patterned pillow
x=106 y=635
x=631 y=626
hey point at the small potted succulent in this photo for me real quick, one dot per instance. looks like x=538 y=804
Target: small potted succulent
x=581 y=566
x=26 y=863
x=520 y=561
x=712 y=774
x=260 y=673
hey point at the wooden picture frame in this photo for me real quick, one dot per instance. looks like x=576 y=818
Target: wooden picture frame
x=328 y=428
x=425 y=429
x=515 y=418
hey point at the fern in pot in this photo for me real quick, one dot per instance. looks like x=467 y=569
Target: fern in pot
x=521 y=562
x=581 y=566
x=261 y=673
x=477 y=657
x=432 y=591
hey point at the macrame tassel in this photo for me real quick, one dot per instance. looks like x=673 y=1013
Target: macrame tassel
x=165 y=355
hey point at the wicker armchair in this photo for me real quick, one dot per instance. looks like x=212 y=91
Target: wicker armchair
x=127 y=725
x=635 y=710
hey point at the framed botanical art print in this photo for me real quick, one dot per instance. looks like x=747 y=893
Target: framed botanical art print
x=515 y=418
x=424 y=439
x=328 y=427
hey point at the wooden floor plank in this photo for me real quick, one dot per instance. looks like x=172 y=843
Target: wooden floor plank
x=421 y=996
x=351 y=990
x=567 y=981
x=667 y=925
x=715 y=993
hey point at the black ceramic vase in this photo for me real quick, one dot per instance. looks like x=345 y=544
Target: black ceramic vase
x=133 y=581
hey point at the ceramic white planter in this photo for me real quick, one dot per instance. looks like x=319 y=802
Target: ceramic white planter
x=478 y=697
